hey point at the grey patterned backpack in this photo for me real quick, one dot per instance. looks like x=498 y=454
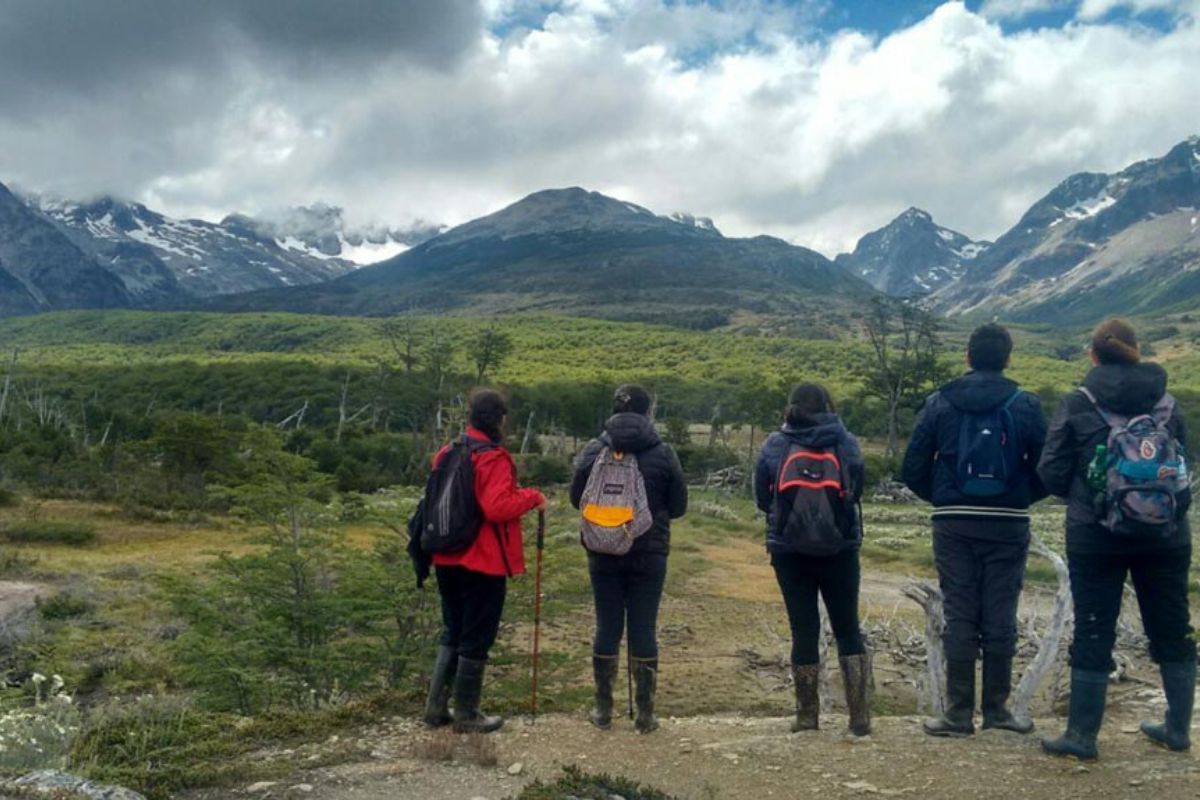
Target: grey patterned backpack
x=614 y=507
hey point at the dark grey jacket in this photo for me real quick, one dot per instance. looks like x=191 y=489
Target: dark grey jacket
x=666 y=488
x=1126 y=389
x=829 y=432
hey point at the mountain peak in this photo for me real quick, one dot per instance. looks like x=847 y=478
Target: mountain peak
x=914 y=214
x=911 y=255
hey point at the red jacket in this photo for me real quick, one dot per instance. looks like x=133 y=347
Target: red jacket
x=503 y=503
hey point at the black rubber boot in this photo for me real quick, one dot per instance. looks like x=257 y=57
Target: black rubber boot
x=468 y=687
x=997 y=685
x=856 y=675
x=437 y=705
x=604 y=670
x=959 y=719
x=807 y=678
x=1179 y=685
x=645 y=679
x=1086 y=712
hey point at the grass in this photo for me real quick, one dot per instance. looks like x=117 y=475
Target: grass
x=51 y=532
x=586 y=786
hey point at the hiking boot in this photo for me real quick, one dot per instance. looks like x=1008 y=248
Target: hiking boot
x=1179 y=685
x=468 y=687
x=997 y=684
x=958 y=719
x=604 y=670
x=856 y=675
x=645 y=678
x=807 y=678
x=437 y=705
x=1084 y=715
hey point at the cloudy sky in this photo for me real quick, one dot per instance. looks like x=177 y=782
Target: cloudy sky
x=812 y=120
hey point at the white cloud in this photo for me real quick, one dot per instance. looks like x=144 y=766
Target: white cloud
x=1097 y=9
x=739 y=112
x=1018 y=9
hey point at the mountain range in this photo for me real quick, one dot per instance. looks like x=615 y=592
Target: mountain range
x=1096 y=244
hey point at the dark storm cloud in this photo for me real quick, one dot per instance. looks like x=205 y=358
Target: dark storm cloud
x=78 y=46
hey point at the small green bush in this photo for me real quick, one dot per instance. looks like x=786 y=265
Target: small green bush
x=576 y=783
x=8 y=498
x=73 y=534
x=65 y=605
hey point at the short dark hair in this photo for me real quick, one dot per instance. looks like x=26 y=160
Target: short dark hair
x=989 y=348
x=631 y=398
x=487 y=409
x=805 y=402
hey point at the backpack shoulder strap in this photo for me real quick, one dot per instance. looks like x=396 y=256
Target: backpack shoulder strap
x=1164 y=408
x=1109 y=419
x=1012 y=399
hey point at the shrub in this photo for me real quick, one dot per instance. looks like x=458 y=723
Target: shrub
x=39 y=736
x=538 y=470
x=8 y=498
x=72 y=534
x=64 y=605
x=578 y=784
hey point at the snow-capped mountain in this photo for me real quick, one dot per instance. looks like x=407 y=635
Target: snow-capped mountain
x=911 y=255
x=1097 y=244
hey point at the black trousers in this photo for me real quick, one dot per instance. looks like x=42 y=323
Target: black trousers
x=981 y=580
x=627 y=589
x=472 y=604
x=836 y=579
x=1160 y=581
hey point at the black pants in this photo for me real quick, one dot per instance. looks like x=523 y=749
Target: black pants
x=1160 y=581
x=836 y=579
x=471 y=607
x=981 y=579
x=627 y=588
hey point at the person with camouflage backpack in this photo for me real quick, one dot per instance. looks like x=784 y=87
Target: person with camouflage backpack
x=628 y=486
x=1116 y=452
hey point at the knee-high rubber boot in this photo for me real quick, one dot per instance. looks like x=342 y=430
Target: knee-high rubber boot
x=1084 y=715
x=807 y=678
x=856 y=675
x=468 y=688
x=1179 y=685
x=437 y=705
x=604 y=670
x=959 y=719
x=645 y=678
x=997 y=685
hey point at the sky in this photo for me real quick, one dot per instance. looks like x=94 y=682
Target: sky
x=813 y=120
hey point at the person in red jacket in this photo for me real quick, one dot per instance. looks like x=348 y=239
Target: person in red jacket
x=473 y=583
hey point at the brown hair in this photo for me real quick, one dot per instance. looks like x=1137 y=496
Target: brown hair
x=487 y=410
x=1115 y=342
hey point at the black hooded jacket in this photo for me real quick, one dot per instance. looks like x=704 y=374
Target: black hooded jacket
x=931 y=460
x=1126 y=389
x=666 y=488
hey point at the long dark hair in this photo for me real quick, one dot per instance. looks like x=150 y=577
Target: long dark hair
x=487 y=410
x=805 y=402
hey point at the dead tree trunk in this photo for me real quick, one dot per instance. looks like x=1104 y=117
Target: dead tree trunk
x=12 y=365
x=933 y=685
x=528 y=433
x=1049 y=645
x=824 y=686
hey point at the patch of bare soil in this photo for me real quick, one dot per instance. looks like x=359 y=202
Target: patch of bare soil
x=17 y=602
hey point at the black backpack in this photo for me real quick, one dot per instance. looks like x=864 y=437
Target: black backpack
x=812 y=511
x=448 y=518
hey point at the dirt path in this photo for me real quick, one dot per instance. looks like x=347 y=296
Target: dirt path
x=17 y=601
x=730 y=756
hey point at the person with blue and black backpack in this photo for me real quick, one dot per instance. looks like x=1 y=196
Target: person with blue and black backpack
x=808 y=481
x=973 y=454
x=1117 y=453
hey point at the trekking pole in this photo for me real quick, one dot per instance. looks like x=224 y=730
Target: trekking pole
x=537 y=610
x=629 y=675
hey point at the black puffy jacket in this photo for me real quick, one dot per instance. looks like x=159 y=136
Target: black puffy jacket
x=1126 y=389
x=666 y=489
x=931 y=460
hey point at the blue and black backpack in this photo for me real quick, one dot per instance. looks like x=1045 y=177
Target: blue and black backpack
x=989 y=451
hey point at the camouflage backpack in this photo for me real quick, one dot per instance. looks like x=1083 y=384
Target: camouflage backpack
x=1146 y=470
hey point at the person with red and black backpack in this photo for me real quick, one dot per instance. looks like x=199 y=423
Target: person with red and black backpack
x=1117 y=453
x=808 y=481
x=469 y=527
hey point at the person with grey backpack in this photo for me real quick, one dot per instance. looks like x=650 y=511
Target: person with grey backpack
x=1117 y=453
x=808 y=481
x=628 y=486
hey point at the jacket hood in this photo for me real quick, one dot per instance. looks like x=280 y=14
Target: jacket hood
x=828 y=431
x=630 y=432
x=979 y=391
x=1127 y=388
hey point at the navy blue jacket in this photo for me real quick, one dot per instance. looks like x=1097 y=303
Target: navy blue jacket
x=931 y=460
x=827 y=432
